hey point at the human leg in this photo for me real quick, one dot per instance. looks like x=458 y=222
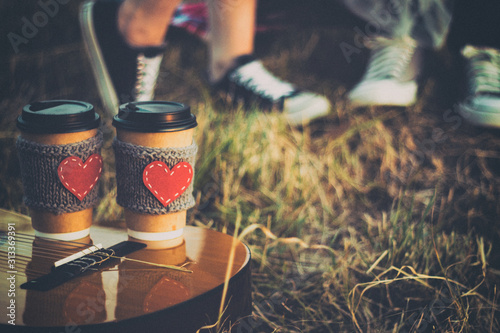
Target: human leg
x=134 y=30
x=125 y=42
x=145 y=22
x=232 y=31
x=237 y=74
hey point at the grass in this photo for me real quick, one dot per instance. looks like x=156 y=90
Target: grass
x=334 y=262
x=370 y=220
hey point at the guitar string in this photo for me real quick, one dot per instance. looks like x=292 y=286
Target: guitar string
x=28 y=239
x=178 y=268
x=47 y=253
x=22 y=260
x=23 y=269
x=29 y=244
x=20 y=271
x=21 y=265
x=100 y=258
x=23 y=272
x=55 y=241
x=33 y=237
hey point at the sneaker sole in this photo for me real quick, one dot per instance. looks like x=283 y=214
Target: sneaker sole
x=378 y=94
x=316 y=110
x=479 y=118
x=101 y=74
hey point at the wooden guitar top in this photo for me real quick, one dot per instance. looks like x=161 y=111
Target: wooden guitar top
x=124 y=296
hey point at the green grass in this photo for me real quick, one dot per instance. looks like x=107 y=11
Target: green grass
x=370 y=220
x=320 y=246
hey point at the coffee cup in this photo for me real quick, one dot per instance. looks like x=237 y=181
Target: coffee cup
x=59 y=153
x=154 y=157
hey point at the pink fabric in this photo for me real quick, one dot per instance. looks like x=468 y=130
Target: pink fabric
x=193 y=18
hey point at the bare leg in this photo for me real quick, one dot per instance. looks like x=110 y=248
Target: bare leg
x=232 y=27
x=145 y=22
x=232 y=31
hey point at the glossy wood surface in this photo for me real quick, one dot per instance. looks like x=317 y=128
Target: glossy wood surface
x=127 y=295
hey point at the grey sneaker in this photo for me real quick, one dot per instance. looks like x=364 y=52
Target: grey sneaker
x=391 y=74
x=250 y=83
x=481 y=106
x=123 y=74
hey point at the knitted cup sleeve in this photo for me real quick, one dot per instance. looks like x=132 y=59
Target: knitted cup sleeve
x=41 y=184
x=132 y=193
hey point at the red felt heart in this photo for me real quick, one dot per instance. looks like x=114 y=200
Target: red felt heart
x=78 y=177
x=165 y=184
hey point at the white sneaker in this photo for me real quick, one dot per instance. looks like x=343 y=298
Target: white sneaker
x=250 y=83
x=390 y=78
x=482 y=103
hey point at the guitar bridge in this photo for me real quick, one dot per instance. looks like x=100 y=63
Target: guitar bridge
x=91 y=259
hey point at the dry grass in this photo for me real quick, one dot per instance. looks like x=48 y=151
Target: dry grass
x=370 y=220
x=326 y=258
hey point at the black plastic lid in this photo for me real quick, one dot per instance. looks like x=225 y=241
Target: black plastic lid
x=154 y=116
x=58 y=116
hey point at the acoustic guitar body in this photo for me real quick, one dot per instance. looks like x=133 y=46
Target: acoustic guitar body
x=124 y=295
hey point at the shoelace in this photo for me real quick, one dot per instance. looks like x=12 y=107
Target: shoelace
x=483 y=70
x=258 y=79
x=390 y=58
x=147 y=74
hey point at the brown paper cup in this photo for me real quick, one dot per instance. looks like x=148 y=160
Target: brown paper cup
x=165 y=230
x=70 y=224
x=47 y=123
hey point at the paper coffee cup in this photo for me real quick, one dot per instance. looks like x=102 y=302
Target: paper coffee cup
x=154 y=124
x=52 y=131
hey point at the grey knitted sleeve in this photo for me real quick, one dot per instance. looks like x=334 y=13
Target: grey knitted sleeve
x=42 y=187
x=130 y=161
